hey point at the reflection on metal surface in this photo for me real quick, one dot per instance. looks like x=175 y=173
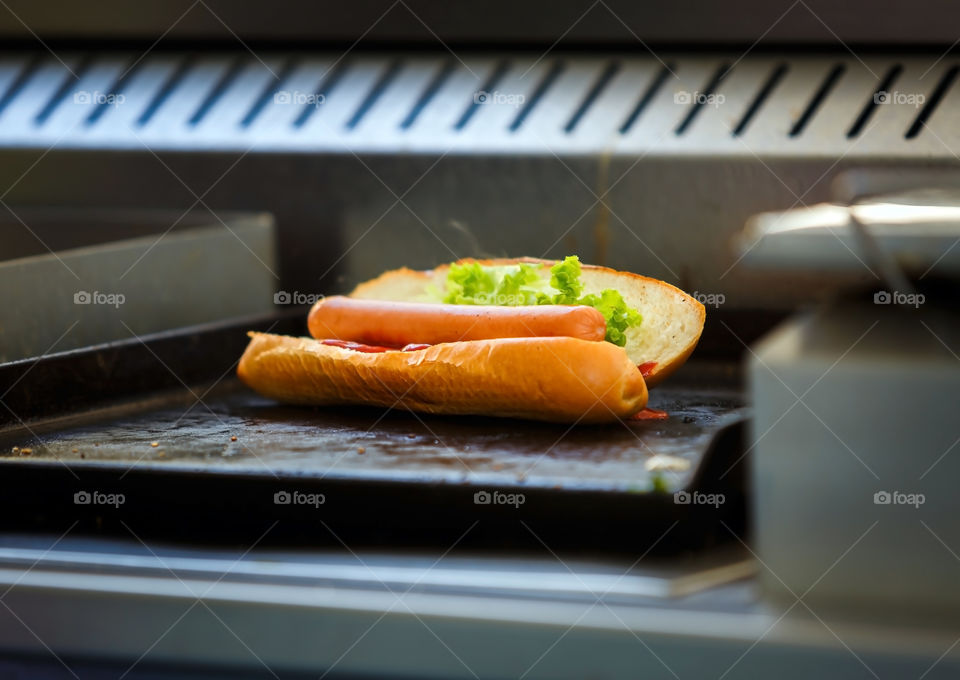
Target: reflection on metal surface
x=520 y=577
x=911 y=232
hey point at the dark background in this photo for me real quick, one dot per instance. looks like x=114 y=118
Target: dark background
x=494 y=22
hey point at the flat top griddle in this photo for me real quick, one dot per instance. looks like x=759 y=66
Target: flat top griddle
x=217 y=453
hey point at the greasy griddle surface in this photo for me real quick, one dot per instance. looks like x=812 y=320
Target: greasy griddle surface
x=375 y=444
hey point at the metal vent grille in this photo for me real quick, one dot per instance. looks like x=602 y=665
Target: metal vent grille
x=758 y=105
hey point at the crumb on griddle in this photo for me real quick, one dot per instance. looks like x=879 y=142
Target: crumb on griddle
x=361 y=450
x=233 y=438
x=154 y=444
x=661 y=462
x=26 y=451
x=16 y=449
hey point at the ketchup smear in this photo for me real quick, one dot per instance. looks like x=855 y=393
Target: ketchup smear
x=650 y=414
x=372 y=349
x=647 y=368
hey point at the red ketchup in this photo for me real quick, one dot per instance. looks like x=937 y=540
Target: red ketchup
x=650 y=414
x=356 y=346
x=371 y=349
x=647 y=368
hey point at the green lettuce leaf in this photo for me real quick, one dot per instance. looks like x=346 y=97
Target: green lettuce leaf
x=619 y=316
x=521 y=284
x=468 y=282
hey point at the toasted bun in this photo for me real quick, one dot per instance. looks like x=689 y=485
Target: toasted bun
x=555 y=379
x=672 y=320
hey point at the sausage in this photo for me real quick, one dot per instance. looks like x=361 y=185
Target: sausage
x=381 y=322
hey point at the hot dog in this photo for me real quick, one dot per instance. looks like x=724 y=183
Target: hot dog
x=391 y=323
x=672 y=320
x=563 y=343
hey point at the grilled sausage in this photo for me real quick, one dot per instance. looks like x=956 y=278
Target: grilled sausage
x=381 y=322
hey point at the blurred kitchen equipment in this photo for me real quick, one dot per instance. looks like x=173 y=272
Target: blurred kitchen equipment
x=69 y=274
x=855 y=405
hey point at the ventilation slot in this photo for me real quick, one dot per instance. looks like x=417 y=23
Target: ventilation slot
x=268 y=93
x=115 y=89
x=762 y=95
x=703 y=97
x=931 y=104
x=646 y=98
x=537 y=95
x=69 y=80
x=222 y=85
x=165 y=90
x=876 y=99
x=327 y=82
x=378 y=89
x=598 y=87
x=431 y=90
x=26 y=73
x=818 y=98
x=498 y=73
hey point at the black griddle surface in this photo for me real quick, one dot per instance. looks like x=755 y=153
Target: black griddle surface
x=358 y=443
x=387 y=478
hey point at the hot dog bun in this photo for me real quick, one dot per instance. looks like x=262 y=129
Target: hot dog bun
x=672 y=320
x=554 y=379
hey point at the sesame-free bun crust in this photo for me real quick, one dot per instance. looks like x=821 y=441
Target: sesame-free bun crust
x=672 y=320
x=556 y=379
